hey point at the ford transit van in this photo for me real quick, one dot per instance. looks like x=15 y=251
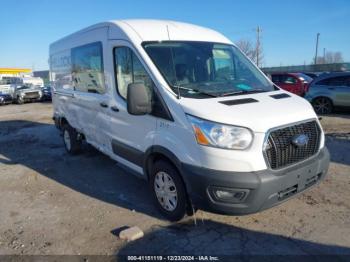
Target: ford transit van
x=182 y=107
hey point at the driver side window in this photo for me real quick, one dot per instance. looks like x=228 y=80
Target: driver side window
x=129 y=69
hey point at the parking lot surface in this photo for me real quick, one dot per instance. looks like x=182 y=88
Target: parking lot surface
x=54 y=203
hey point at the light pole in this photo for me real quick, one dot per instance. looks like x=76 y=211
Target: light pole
x=257 y=51
x=318 y=35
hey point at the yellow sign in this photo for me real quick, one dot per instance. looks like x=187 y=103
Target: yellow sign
x=14 y=70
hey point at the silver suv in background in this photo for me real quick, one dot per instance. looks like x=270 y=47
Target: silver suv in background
x=330 y=91
x=27 y=93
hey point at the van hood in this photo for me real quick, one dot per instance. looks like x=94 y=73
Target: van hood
x=259 y=112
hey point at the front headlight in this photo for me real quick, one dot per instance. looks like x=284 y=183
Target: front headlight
x=220 y=135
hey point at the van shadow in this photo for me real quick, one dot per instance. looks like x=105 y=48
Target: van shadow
x=39 y=146
x=338 y=145
x=217 y=239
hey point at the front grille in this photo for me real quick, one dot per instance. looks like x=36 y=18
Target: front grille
x=31 y=94
x=280 y=151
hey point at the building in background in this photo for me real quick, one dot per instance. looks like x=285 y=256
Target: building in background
x=15 y=72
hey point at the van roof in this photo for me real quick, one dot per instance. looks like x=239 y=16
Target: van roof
x=140 y=30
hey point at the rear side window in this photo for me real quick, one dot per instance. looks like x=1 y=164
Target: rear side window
x=129 y=70
x=286 y=79
x=61 y=70
x=335 y=81
x=87 y=68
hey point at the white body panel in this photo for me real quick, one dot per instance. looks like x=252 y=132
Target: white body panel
x=6 y=89
x=34 y=81
x=101 y=125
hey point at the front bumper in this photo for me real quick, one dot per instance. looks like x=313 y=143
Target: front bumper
x=6 y=100
x=263 y=189
x=31 y=96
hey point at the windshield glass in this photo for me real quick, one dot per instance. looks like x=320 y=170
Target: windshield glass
x=22 y=87
x=206 y=69
x=305 y=78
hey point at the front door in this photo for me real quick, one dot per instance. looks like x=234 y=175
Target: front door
x=129 y=135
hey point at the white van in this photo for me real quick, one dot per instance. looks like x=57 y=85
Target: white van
x=183 y=108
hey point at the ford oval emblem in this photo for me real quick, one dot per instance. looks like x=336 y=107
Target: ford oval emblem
x=300 y=140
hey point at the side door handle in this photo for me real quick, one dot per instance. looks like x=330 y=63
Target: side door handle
x=114 y=108
x=103 y=104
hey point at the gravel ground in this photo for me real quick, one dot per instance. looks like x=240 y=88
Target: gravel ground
x=53 y=203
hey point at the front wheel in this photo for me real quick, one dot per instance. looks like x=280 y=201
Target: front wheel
x=322 y=105
x=20 y=100
x=168 y=191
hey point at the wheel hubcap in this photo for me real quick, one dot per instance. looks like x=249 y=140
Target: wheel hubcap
x=66 y=138
x=165 y=190
x=322 y=106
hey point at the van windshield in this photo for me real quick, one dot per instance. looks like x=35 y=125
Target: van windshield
x=205 y=69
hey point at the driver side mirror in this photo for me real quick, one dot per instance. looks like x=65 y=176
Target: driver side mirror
x=138 y=99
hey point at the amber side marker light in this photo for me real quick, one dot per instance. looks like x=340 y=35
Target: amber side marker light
x=201 y=139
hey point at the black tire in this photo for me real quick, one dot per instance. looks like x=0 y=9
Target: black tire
x=182 y=201
x=73 y=146
x=322 y=105
x=19 y=100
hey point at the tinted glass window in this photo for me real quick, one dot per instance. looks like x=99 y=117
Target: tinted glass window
x=87 y=67
x=338 y=81
x=61 y=70
x=286 y=79
x=129 y=70
x=323 y=82
x=276 y=79
x=304 y=77
x=335 y=81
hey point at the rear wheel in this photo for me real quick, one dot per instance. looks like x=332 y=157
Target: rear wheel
x=168 y=191
x=71 y=140
x=323 y=105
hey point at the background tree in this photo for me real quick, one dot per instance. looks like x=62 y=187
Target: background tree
x=251 y=50
x=330 y=58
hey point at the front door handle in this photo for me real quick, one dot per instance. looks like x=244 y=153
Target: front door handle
x=114 y=108
x=103 y=104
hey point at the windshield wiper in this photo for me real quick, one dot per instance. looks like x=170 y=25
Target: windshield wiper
x=244 y=92
x=195 y=90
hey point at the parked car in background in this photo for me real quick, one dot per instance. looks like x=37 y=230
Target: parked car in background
x=5 y=99
x=313 y=75
x=330 y=91
x=46 y=91
x=296 y=83
x=27 y=94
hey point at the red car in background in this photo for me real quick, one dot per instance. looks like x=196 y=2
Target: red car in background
x=296 y=83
